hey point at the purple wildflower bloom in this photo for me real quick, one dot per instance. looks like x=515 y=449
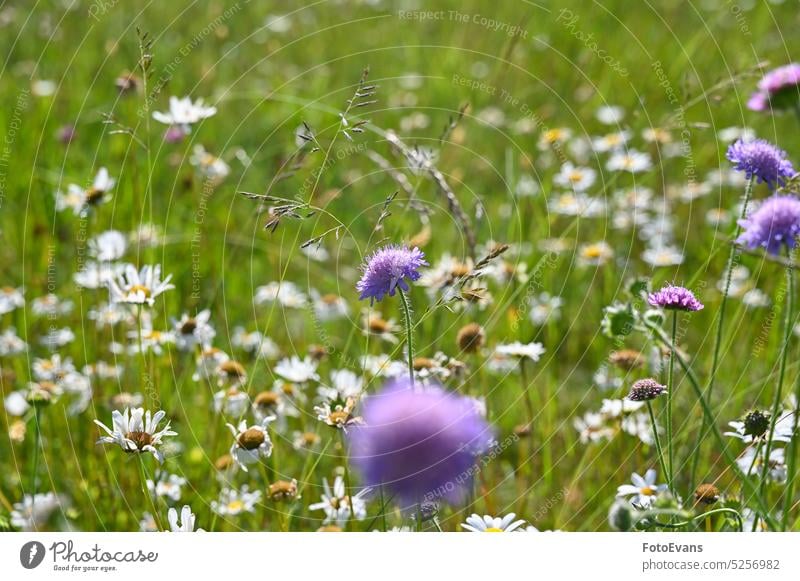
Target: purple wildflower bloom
x=386 y=270
x=777 y=90
x=675 y=298
x=646 y=389
x=774 y=223
x=761 y=159
x=420 y=444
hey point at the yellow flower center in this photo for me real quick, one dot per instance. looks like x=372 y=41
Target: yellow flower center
x=493 y=530
x=140 y=288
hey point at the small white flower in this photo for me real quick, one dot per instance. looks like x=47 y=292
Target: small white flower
x=108 y=246
x=533 y=351
x=192 y=331
x=578 y=179
x=11 y=299
x=50 y=305
x=643 y=490
x=297 y=370
x=233 y=502
x=136 y=431
x=10 y=343
x=167 y=486
x=611 y=141
x=336 y=503
x=183 y=112
x=631 y=161
x=286 y=293
x=610 y=114
x=491 y=524
x=660 y=256
x=186 y=524
x=139 y=287
x=250 y=443
x=34 y=511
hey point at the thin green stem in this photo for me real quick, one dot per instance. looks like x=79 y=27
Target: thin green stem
x=409 y=334
x=791 y=468
x=659 y=450
x=347 y=487
x=670 y=389
x=143 y=478
x=748 y=190
x=776 y=402
x=37 y=443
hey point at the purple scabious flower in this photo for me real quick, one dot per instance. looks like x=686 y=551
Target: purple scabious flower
x=777 y=90
x=759 y=158
x=776 y=222
x=387 y=269
x=676 y=298
x=646 y=389
x=420 y=443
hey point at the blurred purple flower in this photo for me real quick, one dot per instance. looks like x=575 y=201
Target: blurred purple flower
x=386 y=270
x=421 y=444
x=776 y=222
x=675 y=298
x=759 y=158
x=174 y=134
x=777 y=90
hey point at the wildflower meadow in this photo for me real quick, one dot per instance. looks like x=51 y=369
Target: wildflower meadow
x=375 y=265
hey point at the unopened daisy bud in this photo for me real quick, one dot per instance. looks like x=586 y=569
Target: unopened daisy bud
x=224 y=462
x=470 y=338
x=706 y=493
x=756 y=423
x=620 y=516
x=522 y=430
x=646 y=389
x=283 y=490
x=626 y=359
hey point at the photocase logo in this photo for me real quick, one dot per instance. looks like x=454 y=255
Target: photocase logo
x=31 y=554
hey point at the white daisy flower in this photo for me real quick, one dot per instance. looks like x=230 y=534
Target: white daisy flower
x=167 y=486
x=94 y=275
x=231 y=402
x=186 y=524
x=108 y=246
x=643 y=490
x=610 y=114
x=343 y=384
x=286 y=293
x=34 y=511
x=50 y=305
x=578 y=179
x=139 y=287
x=661 y=256
x=336 y=503
x=297 y=370
x=136 y=431
x=631 y=161
x=329 y=307
x=10 y=343
x=11 y=299
x=250 y=443
x=610 y=141
x=192 y=331
x=233 y=502
x=544 y=308
x=532 y=351
x=184 y=113
x=491 y=524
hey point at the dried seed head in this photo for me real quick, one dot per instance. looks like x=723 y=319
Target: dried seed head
x=283 y=490
x=646 y=389
x=232 y=369
x=251 y=438
x=421 y=363
x=626 y=359
x=267 y=399
x=471 y=337
x=141 y=439
x=706 y=493
x=756 y=423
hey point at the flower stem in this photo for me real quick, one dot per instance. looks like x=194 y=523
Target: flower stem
x=348 y=490
x=670 y=389
x=776 y=403
x=143 y=478
x=409 y=334
x=658 y=333
x=791 y=468
x=37 y=443
x=748 y=190
x=659 y=450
